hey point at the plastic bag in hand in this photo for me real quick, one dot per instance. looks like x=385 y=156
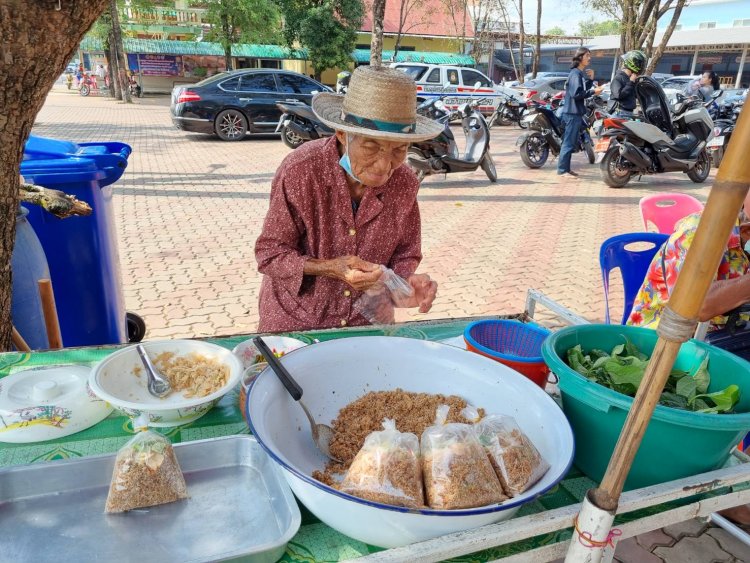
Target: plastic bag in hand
x=377 y=304
x=146 y=474
x=517 y=462
x=457 y=472
x=387 y=469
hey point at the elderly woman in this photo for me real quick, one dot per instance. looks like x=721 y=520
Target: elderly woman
x=345 y=206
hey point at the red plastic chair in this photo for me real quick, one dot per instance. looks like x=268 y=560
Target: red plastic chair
x=664 y=210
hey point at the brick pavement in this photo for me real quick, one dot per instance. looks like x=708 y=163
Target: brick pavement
x=190 y=207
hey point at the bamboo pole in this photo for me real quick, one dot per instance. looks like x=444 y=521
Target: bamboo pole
x=18 y=340
x=50 y=314
x=593 y=523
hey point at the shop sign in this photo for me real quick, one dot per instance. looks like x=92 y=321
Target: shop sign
x=155 y=65
x=710 y=60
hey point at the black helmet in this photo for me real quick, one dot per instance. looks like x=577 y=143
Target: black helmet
x=635 y=61
x=343 y=77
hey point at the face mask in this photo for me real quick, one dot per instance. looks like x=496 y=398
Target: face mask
x=346 y=163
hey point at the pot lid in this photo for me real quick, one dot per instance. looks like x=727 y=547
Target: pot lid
x=48 y=402
x=654 y=105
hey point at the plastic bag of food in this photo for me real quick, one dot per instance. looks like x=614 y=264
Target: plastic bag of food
x=377 y=304
x=387 y=469
x=517 y=462
x=146 y=473
x=457 y=472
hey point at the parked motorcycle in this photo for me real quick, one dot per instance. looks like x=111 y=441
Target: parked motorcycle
x=440 y=155
x=298 y=124
x=723 y=129
x=547 y=130
x=509 y=110
x=661 y=142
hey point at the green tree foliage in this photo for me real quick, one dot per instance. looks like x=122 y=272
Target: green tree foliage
x=557 y=30
x=591 y=28
x=326 y=28
x=241 y=21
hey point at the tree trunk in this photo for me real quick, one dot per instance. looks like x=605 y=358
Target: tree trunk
x=114 y=74
x=114 y=86
x=228 y=57
x=376 y=44
x=122 y=63
x=537 y=53
x=43 y=41
x=665 y=38
x=402 y=14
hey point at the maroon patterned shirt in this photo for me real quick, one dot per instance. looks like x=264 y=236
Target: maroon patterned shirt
x=310 y=216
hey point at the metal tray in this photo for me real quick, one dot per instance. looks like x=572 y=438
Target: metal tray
x=239 y=507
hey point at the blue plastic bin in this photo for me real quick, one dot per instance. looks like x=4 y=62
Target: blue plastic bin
x=81 y=251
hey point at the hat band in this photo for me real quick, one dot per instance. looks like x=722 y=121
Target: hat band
x=377 y=125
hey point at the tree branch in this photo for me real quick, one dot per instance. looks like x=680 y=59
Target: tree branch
x=58 y=203
x=665 y=38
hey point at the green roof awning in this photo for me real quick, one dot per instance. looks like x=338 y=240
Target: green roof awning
x=436 y=58
x=165 y=47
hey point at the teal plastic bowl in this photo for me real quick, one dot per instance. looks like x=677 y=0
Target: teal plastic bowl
x=677 y=443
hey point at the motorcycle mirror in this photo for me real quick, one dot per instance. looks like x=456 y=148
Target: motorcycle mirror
x=314 y=92
x=477 y=85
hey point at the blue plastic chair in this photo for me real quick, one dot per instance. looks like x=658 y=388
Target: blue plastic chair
x=633 y=265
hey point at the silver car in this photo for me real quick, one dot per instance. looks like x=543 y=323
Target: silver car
x=533 y=89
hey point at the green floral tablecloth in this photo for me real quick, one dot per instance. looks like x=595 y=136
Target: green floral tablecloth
x=315 y=541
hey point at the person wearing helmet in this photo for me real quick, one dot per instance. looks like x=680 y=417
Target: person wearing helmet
x=342 y=81
x=622 y=99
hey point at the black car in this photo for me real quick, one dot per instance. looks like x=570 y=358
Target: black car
x=230 y=104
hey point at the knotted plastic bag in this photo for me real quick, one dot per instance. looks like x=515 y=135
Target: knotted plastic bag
x=457 y=472
x=387 y=469
x=515 y=459
x=146 y=473
x=377 y=304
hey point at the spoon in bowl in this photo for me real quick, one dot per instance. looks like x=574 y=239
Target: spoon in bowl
x=158 y=385
x=322 y=433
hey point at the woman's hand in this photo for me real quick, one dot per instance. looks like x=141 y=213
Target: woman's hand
x=359 y=274
x=425 y=291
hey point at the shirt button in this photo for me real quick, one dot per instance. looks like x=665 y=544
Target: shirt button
x=347 y=293
x=343 y=322
x=352 y=232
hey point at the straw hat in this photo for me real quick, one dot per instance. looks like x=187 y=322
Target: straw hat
x=381 y=103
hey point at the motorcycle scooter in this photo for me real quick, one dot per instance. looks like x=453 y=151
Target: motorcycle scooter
x=662 y=142
x=546 y=131
x=440 y=155
x=298 y=124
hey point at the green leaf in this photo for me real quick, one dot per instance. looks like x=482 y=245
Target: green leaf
x=625 y=374
x=597 y=354
x=686 y=387
x=724 y=399
x=673 y=400
x=576 y=360
x=617 y=350
x=702 y=377
x=631 y=350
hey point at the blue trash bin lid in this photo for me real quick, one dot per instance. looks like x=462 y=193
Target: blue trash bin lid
x=109 y=157
x=58 y=171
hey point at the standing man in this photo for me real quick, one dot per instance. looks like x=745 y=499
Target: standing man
x=622 y=101
x=574 y=109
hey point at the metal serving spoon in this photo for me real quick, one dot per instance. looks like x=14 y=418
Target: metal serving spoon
x=322 y=433
x=158 y=385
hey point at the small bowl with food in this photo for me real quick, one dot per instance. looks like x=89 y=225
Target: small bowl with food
x=200 y=373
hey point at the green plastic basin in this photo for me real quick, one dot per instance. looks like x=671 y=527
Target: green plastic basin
x=677 y=443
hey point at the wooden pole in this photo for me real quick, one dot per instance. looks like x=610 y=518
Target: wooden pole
x=18 y=340
x=678 y=319
x=50 y=314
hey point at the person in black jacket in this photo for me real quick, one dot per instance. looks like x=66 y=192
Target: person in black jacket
x=578 y=89
x=622 y=100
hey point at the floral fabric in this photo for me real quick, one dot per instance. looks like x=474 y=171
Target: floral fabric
x=655 y=291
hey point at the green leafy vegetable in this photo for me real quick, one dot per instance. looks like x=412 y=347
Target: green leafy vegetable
x=624 y=368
